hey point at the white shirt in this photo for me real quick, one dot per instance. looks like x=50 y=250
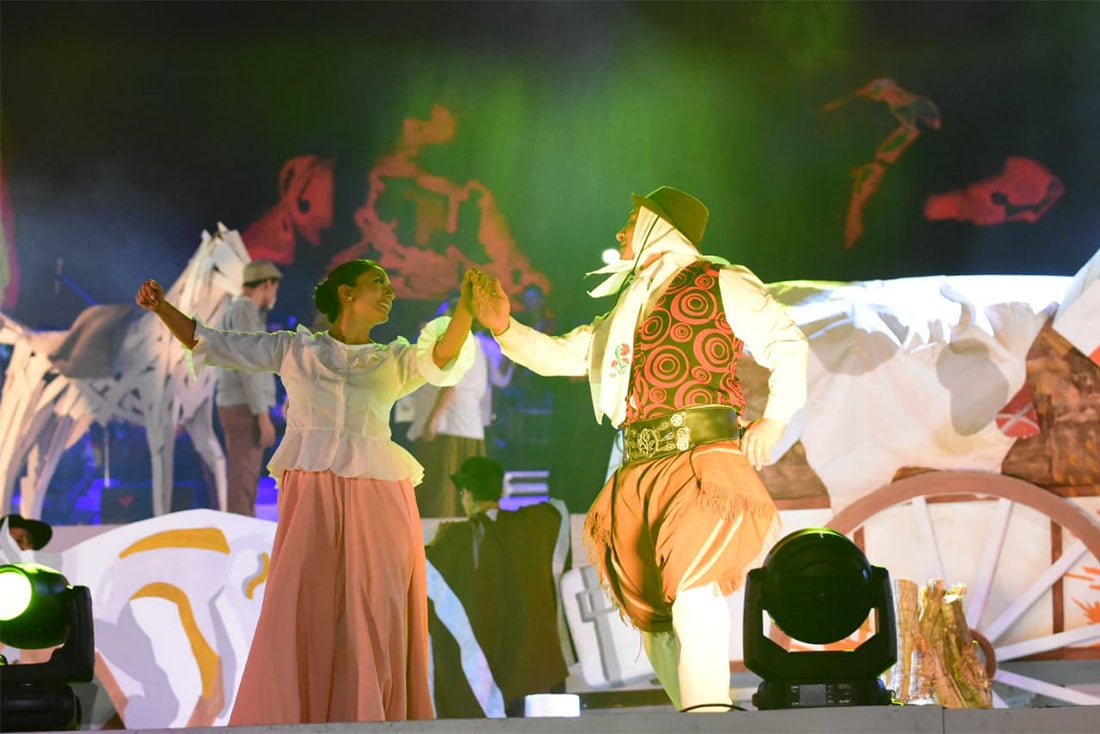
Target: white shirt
x=340 y=395
x=500 y=373
x=235 y=387
x=773 y=339
x=463 y=417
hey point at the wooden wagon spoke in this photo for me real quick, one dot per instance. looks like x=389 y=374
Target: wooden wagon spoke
x=928 y=535
x=1050 y=690
x=1046 y=643
x=978 y=593
x=1040 y=586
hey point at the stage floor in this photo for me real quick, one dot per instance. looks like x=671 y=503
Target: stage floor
x=849 y=720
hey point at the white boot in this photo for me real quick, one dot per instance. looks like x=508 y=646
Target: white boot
x=701 y=621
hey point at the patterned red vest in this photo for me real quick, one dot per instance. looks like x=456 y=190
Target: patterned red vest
x=685 y=352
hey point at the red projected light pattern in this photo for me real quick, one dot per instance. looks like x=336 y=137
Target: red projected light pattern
x=422 y=227
x=914 y=113
x=1022 y=192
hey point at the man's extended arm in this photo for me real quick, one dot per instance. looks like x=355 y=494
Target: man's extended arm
x=550 y=356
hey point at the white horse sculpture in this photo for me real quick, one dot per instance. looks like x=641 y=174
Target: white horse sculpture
x=115 y=363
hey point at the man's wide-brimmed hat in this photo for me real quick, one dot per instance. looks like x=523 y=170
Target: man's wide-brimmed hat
x=39 y=531
x=260 y=270
x=682 y=210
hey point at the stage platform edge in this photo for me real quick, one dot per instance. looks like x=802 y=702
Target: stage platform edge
x=849 y=720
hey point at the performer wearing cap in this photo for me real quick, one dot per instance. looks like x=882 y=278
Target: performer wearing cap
x=676 y=526
x=244 y=399
x=28 y=534
x=502 y=566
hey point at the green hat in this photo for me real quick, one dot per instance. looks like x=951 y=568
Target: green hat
x=482 y=477
x=683 y=211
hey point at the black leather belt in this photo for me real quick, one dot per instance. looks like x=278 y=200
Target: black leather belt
x=680 y=431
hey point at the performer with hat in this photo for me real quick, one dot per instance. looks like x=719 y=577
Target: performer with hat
x=28 y=534
x=244 y=399
x=503 y=567
x=675 y=528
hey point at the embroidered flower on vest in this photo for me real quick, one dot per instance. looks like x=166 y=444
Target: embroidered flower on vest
x=621 y=363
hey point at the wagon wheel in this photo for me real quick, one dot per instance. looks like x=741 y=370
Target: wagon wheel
x=915 y=495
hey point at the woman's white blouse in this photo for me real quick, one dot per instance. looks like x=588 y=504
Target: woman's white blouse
x=340 y=395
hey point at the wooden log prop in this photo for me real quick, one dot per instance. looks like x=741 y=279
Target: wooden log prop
x=938 y=659
x=902 y=680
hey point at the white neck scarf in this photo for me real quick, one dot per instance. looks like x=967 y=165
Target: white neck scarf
x=653 y=236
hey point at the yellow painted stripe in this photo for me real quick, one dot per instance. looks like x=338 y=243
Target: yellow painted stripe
x=205 y=656
x=261 y=577
x=210 y=539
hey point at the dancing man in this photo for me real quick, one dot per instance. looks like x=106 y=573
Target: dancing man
x=676 y=526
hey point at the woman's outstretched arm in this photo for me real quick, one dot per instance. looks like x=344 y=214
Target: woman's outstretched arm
x=150 y=296
x=462 y=321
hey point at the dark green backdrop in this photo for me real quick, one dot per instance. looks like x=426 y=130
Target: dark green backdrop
x=127 y=128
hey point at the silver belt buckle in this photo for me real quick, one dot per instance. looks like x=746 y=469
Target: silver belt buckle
x=683 y=438
x=647 y=443
x=683 y=433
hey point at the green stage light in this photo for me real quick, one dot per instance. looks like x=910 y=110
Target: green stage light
x=34 y=606
x=15 y=593
x=40 y=609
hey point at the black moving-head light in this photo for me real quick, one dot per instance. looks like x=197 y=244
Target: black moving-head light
x=39 y=609
x=818 y=588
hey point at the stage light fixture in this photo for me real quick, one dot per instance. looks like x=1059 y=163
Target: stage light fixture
x=610 y=255
x=40 y=609
x=818 y=588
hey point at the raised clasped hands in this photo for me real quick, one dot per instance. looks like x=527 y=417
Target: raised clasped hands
x=488 y=300
x=466 y=289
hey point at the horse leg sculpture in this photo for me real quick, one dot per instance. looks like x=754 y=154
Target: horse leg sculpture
x=200 y=427
x=160 y=433
x=50 y=442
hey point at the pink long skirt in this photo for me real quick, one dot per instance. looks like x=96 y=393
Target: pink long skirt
x=343 y=631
